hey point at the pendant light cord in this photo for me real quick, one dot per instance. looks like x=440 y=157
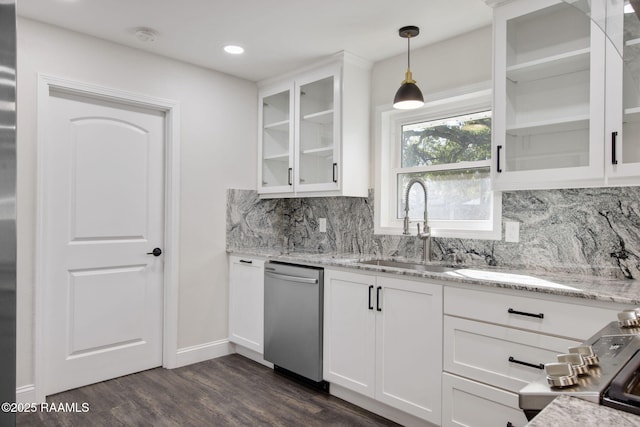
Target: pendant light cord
x=408 y=52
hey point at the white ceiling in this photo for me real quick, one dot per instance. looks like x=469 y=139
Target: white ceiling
x=278 y=35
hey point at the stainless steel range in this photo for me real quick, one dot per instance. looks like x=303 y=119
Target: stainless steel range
x=604 y=370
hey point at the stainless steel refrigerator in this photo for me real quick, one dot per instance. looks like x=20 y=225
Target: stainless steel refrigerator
x=7 y=208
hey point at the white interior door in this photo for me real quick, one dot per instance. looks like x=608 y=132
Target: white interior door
x=103 y=166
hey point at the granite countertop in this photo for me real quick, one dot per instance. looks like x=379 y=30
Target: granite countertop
x=574 y=412
x=596 y=288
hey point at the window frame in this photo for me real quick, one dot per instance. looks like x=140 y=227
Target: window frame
x=387 y=164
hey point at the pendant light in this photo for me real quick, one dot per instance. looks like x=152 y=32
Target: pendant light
x=409 y=95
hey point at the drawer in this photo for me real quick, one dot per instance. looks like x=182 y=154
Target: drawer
x=482 y=352
x=468 y=403
x=564 y=319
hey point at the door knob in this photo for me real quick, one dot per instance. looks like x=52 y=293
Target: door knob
x=155 y=252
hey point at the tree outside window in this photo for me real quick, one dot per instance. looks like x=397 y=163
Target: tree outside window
x=452 y=156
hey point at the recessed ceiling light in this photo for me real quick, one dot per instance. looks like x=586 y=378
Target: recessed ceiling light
x=233 y=49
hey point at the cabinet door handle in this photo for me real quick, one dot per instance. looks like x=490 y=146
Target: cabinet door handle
x=523 y=313
x=289 y=177
x=378 y=289
x=531 y=365
x=335 y=172
x=370 y=296
x=245 y=261
x=614 y=136
x=498 y=169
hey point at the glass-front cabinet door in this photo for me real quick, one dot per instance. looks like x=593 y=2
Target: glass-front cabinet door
x=309 y=145
x=276 y=140
x=622 y=156
x=549 y=95
x=318 y=131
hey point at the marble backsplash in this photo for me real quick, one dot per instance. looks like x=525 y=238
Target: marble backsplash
x=585 y=231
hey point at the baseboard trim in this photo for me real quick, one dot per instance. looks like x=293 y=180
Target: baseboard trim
x=201 y=352
x=26 y=394
x=253 y=355
x=376 y=407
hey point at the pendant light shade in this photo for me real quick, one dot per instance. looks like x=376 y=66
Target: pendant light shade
x=409 y=95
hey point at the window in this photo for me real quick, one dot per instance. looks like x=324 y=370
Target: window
x=451 y=156
x=446 y=144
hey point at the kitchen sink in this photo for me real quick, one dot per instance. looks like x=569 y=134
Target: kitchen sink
x=434 y=268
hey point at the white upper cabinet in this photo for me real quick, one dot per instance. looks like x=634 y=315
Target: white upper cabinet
x=622 y=145
x=276 y=138
x=548 y=95
x=314 y=131
x=317 y=121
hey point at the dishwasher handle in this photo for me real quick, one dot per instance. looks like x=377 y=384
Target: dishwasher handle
x=309 y=280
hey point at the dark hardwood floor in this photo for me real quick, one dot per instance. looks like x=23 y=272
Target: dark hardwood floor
x=228 y=391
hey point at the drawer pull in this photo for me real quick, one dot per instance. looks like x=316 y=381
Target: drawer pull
x=244 y=261
x=531 y=365
x=522 y=313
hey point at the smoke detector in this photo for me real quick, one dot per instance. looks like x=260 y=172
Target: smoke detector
x=146 y=35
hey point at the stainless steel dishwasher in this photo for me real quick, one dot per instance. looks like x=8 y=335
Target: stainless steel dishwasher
x=293 y=301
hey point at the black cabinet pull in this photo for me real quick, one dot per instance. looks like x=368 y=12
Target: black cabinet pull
x=614 y=136
x=370 y=302
x=498 y=169
x=245 y=261
x=378 y=298
x=335 y=172
x=522 y=313
x=531 y=365
x=289 y=177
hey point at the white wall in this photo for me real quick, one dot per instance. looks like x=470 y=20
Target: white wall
x=219 y=144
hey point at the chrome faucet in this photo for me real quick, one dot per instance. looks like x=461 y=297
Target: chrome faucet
x=425 y=235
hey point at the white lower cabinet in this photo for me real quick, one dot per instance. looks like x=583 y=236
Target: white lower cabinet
x=496 y=342
x=469 y=403
x=382 y=338
x=349 y=331
x=408 y=337
x=450 y=357
x=578 y=319
x=504 y=357
x=246 y=302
